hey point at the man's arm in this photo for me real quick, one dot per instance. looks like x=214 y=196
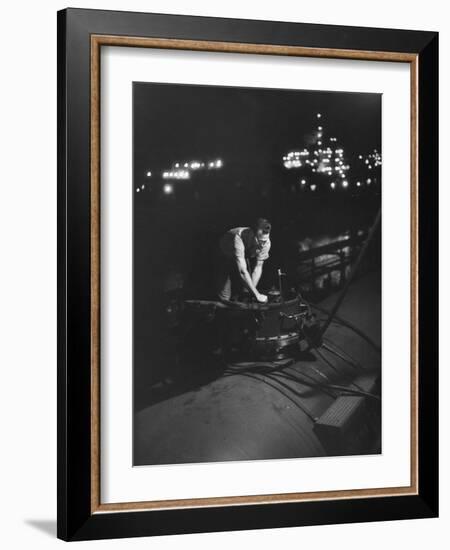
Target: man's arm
x=257 y=271
x=261 y=255
x=247 y=280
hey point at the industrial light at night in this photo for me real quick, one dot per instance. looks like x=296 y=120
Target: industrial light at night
x=168 y=188
x=149 y=174
x=182 y=170
x=327 y=158
x=182 y=174
x=177 y=174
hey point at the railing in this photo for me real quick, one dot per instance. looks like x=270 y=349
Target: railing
x=322 y=269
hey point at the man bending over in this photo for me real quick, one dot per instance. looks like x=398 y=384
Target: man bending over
x=237 y=248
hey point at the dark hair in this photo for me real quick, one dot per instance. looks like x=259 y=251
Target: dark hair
x=262 y=223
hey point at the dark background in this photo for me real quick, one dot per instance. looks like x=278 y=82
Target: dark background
x=250 y=129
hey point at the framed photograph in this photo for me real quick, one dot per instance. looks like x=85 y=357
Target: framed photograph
x=247 y=256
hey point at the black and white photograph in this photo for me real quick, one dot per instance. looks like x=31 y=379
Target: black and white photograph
x=224 y=293
x=256 y=273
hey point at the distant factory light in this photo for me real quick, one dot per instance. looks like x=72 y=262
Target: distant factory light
x=137 y=190
x=319 y=128
x=177 y=174
x=332 y=185
x=182 y=170
x=143 y=186
x=368 y=181
x=313 y=187
x=358 y=184
x=214 y=164
x=168 y=188
x=345 y=183
x=303 y=182
x=372 y=160
x=149 y=174
x=319 y=134
x=319 y=115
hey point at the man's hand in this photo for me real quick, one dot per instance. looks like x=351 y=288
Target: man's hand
x=262 y=298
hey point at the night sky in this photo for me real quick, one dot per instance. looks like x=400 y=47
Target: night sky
x=177 y=122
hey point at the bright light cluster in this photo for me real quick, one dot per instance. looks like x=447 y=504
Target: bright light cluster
x=371 y=160
x=177 y=174
x=328 y=159
x=293 y=159
x=182 y=171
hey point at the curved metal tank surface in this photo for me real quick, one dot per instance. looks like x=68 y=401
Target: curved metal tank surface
x=251 y=411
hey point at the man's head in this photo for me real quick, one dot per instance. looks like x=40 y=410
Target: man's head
x=262 y=229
